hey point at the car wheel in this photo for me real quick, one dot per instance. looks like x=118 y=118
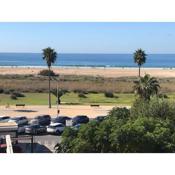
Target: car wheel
x=57 y=132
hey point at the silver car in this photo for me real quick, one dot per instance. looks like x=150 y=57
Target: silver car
x=55 y=128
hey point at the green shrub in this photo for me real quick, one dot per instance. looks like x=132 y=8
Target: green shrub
x=109 y=94
x=18 y=94
x=119 y=113
x=93 y=92
x=45 y=72
x=162 y=96
x=144 y=135
x=82 y=95
x=1 y=90
x=13 y=97
x=156 y=107
x=7 y=91
x=138 y=135
x=80 y=91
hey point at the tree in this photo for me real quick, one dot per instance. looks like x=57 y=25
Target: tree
x=58 y=93
x=146 y=87
x=49 y=55
x=139 y=58
x=120 y=133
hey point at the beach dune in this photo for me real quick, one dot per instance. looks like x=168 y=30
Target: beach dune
x=94 y=71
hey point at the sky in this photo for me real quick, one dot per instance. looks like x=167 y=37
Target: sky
x=87 y=37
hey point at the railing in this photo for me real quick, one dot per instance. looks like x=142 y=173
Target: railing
x=9 y=149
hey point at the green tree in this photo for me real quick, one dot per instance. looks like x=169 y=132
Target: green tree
x=140 y=58
x=49 y=55
x=120 y=133
x=58 y=93
x=146 y=87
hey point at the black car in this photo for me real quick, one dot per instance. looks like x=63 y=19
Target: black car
x=100 y=118
x=61 y=119
x=43 y=120
x=35 y=129
x=4 y=119
x=79 y=119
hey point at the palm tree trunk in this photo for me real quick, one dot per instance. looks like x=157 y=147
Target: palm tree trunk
x=49 y=90
x=139 y=71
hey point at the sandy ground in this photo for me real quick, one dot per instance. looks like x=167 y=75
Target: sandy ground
x=68 y=110
x=105 y=72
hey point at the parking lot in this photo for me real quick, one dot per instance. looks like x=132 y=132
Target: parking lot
x=43 y=131
x=42 y=144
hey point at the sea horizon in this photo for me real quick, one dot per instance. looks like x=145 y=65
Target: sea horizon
x=99 y=60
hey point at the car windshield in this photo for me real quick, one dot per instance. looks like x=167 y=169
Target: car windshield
x=56 y=125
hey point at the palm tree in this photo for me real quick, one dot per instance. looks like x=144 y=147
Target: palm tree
x=146 y=87
x=140 y=58
x=49 y=55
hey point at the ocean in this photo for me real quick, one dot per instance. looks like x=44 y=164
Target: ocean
x=87 y=60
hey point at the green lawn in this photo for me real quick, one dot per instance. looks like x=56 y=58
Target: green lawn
x=72 y=98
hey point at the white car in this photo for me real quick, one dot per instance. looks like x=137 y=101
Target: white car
x=19 y=120
x=55 y=128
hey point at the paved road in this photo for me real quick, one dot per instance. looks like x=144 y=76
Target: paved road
x=42 y=144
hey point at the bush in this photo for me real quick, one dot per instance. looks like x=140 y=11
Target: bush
x=82 y=95
x=13 y=97
x=162 y=96
x=140 y=135
x=80 y=91
x=7 y=92
x=45 y=72
x=109 y=94
x=149 y=130
x=156 y=107
x=119 y=113
x=1 y=90
x=18 y=94
x=93 y=92
x=144 y=135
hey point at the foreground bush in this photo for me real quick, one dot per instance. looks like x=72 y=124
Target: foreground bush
x=122 y=133
x=45 y=72
x=156 y=107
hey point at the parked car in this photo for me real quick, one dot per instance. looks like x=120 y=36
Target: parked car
x=35 y=129
x=100 y=118
x=21 y=129
x=60 y=119
x=76 y=127
x=19 y=120
x=43 y=120
x=79 y=119
x=55 y=128
x=4 y=119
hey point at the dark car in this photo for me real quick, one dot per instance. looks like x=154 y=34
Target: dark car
x=35 y=129
x=4 y=119
x=43 y=120
x=79 y=119
x=61 y=119
x=100 y=118
x=20 y=121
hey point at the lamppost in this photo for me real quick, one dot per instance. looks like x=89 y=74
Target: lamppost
x=57 y=102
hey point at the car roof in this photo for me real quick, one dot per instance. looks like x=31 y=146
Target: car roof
x=55 y=124
x=81 y=116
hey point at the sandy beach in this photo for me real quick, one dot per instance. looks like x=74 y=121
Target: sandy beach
x=94 y=71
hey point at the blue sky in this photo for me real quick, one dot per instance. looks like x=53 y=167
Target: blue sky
x=88 y=37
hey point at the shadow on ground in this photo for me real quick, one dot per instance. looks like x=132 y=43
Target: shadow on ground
x=24 y=110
